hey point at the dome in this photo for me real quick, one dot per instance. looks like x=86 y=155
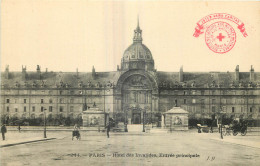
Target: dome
x=137 y=55
x=137 y=51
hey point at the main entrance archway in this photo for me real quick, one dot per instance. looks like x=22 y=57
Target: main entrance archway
x=136 y=95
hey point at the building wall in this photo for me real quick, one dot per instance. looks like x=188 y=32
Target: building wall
x=199 y=102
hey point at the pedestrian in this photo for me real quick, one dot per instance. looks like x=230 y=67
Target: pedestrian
x=3 y=131
x=19 y=128
x=108 y=129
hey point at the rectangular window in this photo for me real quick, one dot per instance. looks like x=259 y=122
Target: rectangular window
x=42 y=101
x=71 y=100
x=61 y=109
x=33 y=108
x=16 y=109
x=202 y=92
x=184 y=101
x=61 y=92
x=202 y=101
x=251 y=109
x=193 y=101
x=213 y=101
x=71 y=108
x=24 y=109
x=7 y=100
x=213 y=108
x=50 y=100
x=24 y=100
x=233 y=109
x=7 y=109
x=184 y=92
x=213 y=92
x=50 y=108
x=42 y=108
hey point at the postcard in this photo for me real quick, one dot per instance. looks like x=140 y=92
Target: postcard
x=130 y=82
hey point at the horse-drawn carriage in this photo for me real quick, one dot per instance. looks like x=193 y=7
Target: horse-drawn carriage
x=204 y=129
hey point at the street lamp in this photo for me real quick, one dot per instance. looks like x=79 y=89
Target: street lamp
x=144 y=113
x=221 y=121
x=126 y=130
x=44 y=131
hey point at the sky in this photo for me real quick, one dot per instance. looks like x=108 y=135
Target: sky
x=64 y=35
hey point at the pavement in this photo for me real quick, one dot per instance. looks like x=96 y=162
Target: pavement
x=28 y=147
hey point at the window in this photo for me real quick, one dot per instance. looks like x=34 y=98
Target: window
x=233 y=109
x=259 y=109
x=71 y=100
x=50 y=100
x=202 y=101
x=33 y=108
x=61 y=92
x=61 y=109
x=213 y=101
x=184 y=92
x=24 y=109
x=194 y=92
x=193 y=101
x=42 y=108
x=251 y=109
x=213 y=108
x=24 y=100
x=7 y=109
x=7 y=100
x=71 y=108
x=202 y=92
x=61 y=100
x=16 y=109
x=213 y=92
x=50 y=108
x=184 y=101
x=42 y=101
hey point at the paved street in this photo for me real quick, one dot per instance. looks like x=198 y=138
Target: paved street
x=178 y=148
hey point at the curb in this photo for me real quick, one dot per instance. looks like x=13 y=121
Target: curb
x=19 y=143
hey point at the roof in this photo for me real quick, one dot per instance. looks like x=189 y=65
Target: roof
x=176 y=110
x=165 y=79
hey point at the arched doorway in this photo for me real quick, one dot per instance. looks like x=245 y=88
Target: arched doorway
x=136 y=96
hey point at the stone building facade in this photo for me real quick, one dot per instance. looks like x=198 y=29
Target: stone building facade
x=135 y=90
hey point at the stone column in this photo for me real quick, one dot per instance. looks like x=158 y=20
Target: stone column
x=162 y=123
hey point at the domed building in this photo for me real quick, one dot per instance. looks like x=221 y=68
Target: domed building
x=136 y=93
x=137 y=55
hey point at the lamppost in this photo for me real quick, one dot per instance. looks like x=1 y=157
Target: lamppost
x=221 y=121
x=126 y=130
x=44 y=131
x=144 y=113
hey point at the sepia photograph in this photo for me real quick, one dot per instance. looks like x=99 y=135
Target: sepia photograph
x=87 y=82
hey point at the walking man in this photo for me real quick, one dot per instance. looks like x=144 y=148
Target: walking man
x=108 y=130
x=19 y=128
x=3 y=131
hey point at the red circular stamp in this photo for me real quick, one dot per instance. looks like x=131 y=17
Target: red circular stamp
x=220 y=37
